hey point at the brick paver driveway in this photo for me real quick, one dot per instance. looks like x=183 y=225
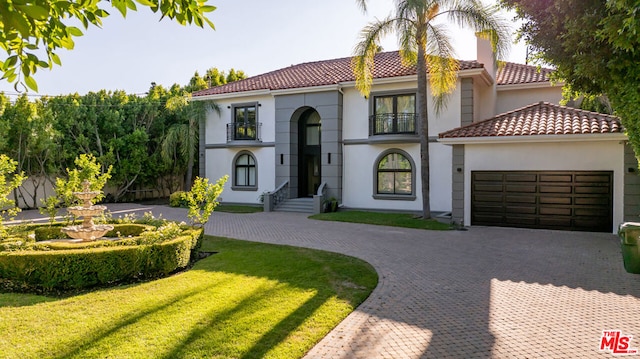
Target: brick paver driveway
x=481 y=293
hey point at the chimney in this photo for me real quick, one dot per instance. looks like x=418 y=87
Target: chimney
x=488 y=96
x=486 y=56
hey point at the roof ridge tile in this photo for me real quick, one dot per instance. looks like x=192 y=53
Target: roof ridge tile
x=541 y=118
x=338 y=70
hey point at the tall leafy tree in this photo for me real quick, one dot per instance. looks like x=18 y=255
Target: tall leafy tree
x=30 y=27
x=213 y=77
x=30 y=141
x=594 y=46
x=424 y=40
x=234 y=75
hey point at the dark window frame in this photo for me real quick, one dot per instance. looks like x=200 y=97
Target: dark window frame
x=390 y=123
x=235 y=186
x=376 y=170
x=241 y=128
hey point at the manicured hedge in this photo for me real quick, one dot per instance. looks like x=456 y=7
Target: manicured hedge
x=44 y=233
x=81 y=268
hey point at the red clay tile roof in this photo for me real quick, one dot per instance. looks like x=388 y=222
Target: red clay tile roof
x=512 y=74
x=541 y=118
x=319 y=73
x=331 y=72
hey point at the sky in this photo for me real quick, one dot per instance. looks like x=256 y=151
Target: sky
x=254 y=36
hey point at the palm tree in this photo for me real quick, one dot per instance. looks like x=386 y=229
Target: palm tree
x=180 y=144
x=426 y=42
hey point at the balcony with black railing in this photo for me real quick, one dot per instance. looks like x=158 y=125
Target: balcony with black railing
x=392 y=124
x=240 y=131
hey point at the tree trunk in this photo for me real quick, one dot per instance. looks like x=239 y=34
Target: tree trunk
x=189 y=175
x=423 y=120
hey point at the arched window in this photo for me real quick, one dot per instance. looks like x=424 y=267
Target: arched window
x=394 y=176
x=245 y=174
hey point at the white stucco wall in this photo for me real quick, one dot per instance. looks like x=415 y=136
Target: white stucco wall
x=359 y=159
x=356 y=111
x=220 y=163
x=550 y=156
x=511 y=99
x=359 y=173
x=217 y=122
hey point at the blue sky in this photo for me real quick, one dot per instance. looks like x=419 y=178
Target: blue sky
x=253 y=36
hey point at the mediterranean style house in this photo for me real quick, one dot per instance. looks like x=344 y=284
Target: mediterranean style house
x=502 y=152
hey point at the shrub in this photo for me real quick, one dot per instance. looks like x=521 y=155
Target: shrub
x=85 y=267
x=203 y=199
x=176 y=199
x=127 y=230
x=48 y=233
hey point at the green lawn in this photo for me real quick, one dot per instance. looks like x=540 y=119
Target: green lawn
x=250 y=300
x=382 y=219
x=231 y=208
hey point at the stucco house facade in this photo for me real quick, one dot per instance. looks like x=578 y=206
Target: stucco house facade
x=502 y=152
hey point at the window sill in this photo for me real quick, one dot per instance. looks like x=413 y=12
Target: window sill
x=244 y=188
x=395 y=197
x=394 y=138
x=243 y=142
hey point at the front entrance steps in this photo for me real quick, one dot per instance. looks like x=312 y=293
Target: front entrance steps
x=302 y=205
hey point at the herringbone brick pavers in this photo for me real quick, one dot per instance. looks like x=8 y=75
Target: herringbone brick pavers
x=482 y=293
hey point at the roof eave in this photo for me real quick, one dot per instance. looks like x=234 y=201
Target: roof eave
x=384 y=80
x=227 y=95
x=477 y=73
x=533 y=139
x=529 y=86
x=308 y=89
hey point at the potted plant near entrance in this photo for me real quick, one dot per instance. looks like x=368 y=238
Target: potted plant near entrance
x=331 y=204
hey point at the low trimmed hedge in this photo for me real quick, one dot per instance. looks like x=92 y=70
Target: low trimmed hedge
x=87 y=267
x=119 y=231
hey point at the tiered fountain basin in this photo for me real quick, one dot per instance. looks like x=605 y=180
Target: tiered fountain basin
x=87 y=234
x=87 y=231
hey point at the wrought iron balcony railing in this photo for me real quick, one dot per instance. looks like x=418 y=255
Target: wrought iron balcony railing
x=392 y=123
x=239 y=131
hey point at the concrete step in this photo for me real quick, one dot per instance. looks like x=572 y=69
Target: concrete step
x=302 y=205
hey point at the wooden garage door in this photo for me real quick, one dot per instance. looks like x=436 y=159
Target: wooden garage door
x=567 y=200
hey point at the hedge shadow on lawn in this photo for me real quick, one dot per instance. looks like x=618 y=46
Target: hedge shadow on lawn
x=16 y=300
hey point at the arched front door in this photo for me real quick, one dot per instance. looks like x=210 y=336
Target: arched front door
x=309 y=166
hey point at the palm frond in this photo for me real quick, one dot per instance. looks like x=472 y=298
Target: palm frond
x=443 y=67
x=362 y=4
x=486 y=21
x=365 y=52
x=406 y=29
x=175 y=144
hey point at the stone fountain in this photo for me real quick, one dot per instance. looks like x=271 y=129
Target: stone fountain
x=87 y=231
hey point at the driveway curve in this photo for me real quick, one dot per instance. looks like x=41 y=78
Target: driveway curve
x=486 y=292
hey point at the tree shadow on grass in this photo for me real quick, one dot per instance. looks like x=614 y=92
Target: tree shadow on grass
x=325 y=275
x=201 y=336
x=87 y=340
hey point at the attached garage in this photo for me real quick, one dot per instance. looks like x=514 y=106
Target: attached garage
x=566 y=200
x=544 y=167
